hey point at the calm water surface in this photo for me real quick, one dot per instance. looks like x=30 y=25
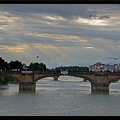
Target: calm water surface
x=69 y=96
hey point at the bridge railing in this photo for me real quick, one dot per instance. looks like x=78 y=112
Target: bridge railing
x=47 y=72
x=57 y=72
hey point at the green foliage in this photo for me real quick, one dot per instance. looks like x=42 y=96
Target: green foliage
x=2 y=80
x=73 y=68
x=15 y=65
x=84 y=69
x=6 y=80
x=37 y=66
x=4 y=66
x=31 y=66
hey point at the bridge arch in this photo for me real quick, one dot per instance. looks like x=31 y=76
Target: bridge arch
x=10 y=76
x=80 y=76
x=45 y=76
x=114 y=80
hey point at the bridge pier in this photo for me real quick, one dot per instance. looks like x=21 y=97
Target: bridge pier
x=99 y=88
x=55 y=78
x=27 y=86
x=100 y=83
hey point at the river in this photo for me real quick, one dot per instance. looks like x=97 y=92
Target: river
x=69 y=96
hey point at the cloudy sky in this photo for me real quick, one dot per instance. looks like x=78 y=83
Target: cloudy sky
x=60 y=34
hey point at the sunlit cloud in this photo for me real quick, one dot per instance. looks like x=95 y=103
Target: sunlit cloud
x=55 y=18
x=1 y=38
x=95 y=21
x=88 y=47
x=58 y=37
x=14 y=49
x=6 y=17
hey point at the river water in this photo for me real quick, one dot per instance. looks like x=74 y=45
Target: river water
x=70 y=96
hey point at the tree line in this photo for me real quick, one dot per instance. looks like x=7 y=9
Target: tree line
x=19 y=66
x=72 y=68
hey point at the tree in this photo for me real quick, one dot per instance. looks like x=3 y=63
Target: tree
x=37 y=66
x=42 y=66
x=31 y=66
x=3 y=65
x=15 y=65
x=84 y=69
x=6 y=66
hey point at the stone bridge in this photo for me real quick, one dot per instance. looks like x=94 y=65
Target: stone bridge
x=100 y=81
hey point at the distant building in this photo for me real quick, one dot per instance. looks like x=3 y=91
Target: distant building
x=97 y=67
x=91 y=68
x=101 y=67
x=117 y=67
x=108 y=67
x=25 y=67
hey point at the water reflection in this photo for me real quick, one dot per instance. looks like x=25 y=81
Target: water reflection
x=63 y=87
x=26 y=92
x=4 y=87
x=10 y=89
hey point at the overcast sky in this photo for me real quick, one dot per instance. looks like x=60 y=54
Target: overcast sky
x=60 y=34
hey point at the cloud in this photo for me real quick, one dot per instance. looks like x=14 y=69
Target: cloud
x=60 y=34
x=88 y=47
x=96 y=22
x=17 y=49
x=104 y=17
